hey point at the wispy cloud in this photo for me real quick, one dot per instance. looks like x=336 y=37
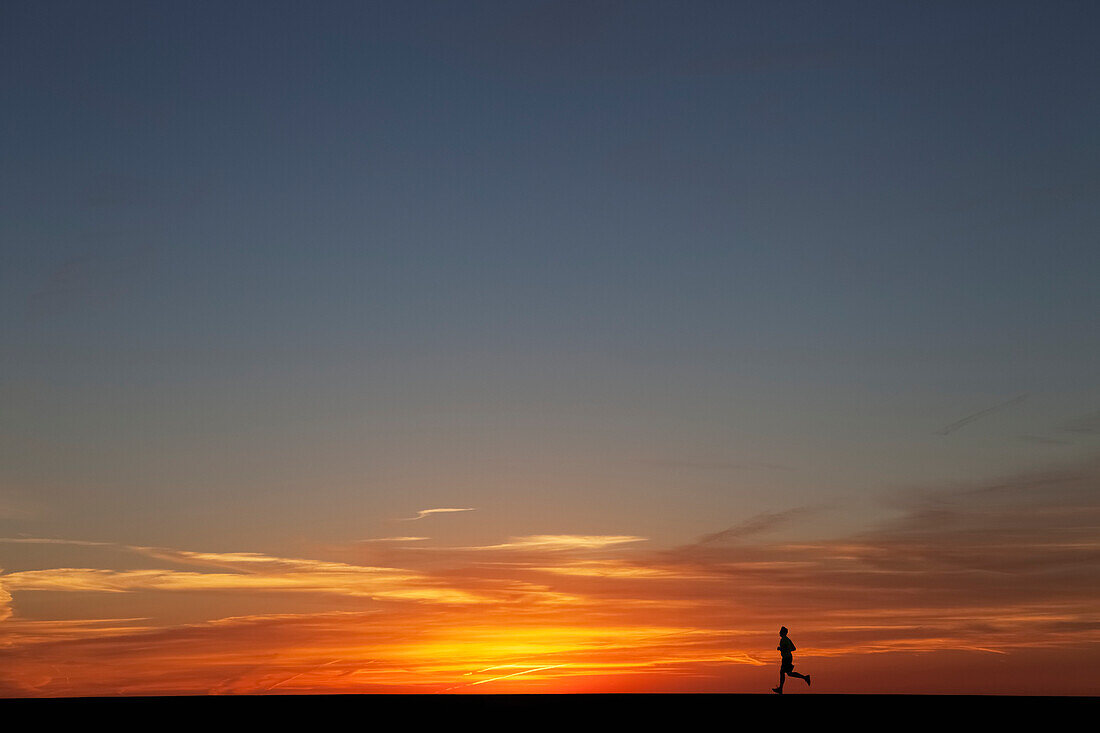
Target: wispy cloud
x=613 y=568
x=529 y=670
x=758 y=524
x=96 y=277
x=1044 y=440
x=427 y=512
x=704 y=465
x=980 y=414
x=53 y=541
x=10 y=510
x=1085 y=424
x=561 y=542
x=244 y=571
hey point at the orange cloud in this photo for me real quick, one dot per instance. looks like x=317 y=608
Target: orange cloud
x=561 y=542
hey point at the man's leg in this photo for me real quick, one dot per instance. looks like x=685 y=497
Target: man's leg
x=799 y=676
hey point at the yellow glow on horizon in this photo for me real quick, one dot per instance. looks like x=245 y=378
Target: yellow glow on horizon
x=495 y=645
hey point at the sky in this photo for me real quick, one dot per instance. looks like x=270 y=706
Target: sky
x=549 y=346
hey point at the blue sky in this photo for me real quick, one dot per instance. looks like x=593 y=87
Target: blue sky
x=277 y=271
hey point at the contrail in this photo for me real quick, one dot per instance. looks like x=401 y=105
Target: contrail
x=306 y=671
x=978 y=415
x=506 y=676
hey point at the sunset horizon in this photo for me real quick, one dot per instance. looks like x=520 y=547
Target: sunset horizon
x=918 y=605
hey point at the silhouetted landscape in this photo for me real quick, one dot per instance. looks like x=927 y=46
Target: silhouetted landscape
x=675 y=712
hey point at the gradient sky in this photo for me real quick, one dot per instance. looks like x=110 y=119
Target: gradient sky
x=710 y=317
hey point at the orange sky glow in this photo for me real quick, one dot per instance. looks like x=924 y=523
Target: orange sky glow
x=988 y=590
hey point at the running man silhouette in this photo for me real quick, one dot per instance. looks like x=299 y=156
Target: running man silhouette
x=786 y=647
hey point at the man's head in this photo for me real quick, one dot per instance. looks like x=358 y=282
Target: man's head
x=783 y=631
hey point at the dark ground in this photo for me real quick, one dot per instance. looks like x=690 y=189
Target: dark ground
x=804 y=712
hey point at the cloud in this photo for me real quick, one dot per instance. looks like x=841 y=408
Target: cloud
x=349 y=583
x=561 y=542
x=53 y=541
x=759 y=524
x=608 y=569
x=980 y=414
x=22 y=632
x=528 y=670
x=1086 y=424
x=95 y=278
x=5 y=601
x=1044 y=440
x=715 y=465
x=249 y=571
x=425 y=512
x=14 y=511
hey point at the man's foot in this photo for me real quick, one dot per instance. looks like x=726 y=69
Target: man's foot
x=777 y=690
x=807 y=680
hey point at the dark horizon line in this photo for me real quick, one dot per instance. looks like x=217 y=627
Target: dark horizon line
x=536 y=695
